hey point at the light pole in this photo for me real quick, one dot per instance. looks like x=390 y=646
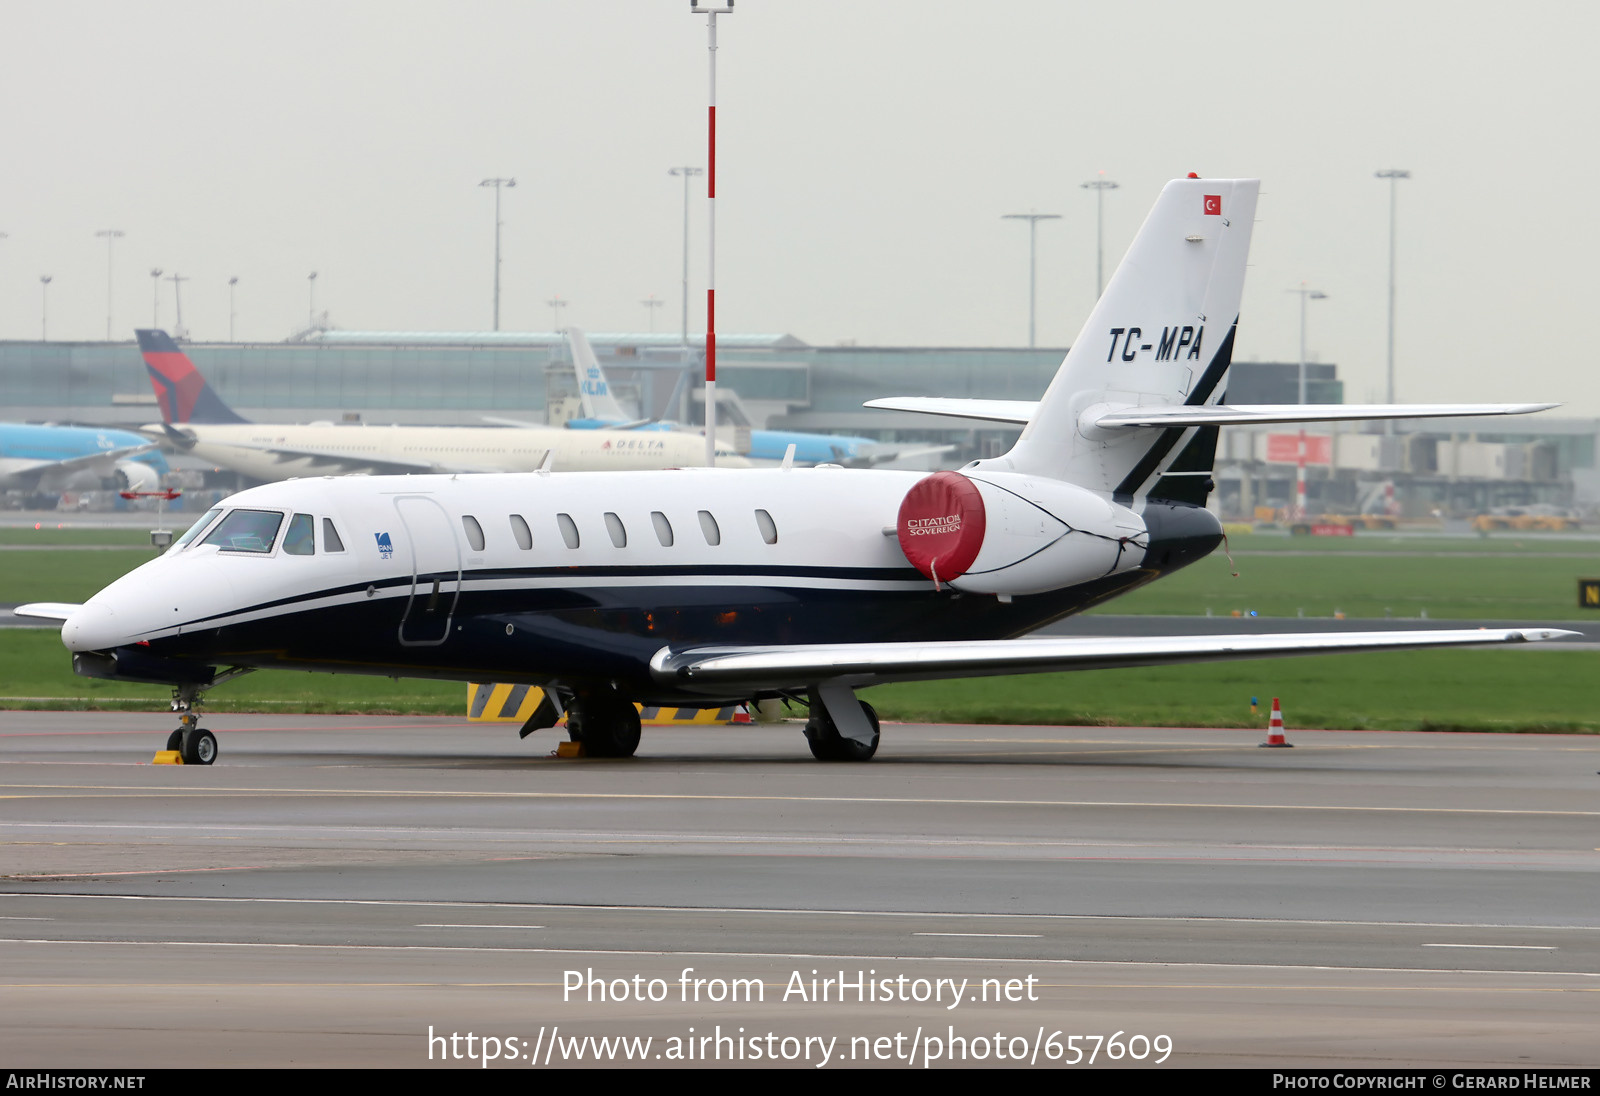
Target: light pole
x=688 y=173
x=556 y=304
x=498 y=185
x=1394 y=175
x=111 y=236
x=1033 y=220
x=311 y=301
x=232 y=312
x=1305 y=295
x=155 y=297
x=44 y=307
x=177 y=281
x=1300 y=461
x=711 y=14
x=1099 y=185
x=651 y=303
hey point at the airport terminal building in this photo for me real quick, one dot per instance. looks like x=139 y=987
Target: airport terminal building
x=780 y=382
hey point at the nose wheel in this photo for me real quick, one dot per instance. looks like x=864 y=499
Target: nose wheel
x=192 y=742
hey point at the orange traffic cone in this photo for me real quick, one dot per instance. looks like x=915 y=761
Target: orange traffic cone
x=1275 y=728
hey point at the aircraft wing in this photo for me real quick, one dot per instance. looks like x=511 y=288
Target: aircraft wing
x=341 y=462
x=87 y=460
x=718 y=669
x=1019 y=412
x=46 y=610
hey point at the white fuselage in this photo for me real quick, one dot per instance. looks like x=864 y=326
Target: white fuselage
x=459 y=576
x=273 y=452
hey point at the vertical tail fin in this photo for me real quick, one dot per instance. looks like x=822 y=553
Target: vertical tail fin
x=1161 y=334
x=181 y=391
x=593 y=391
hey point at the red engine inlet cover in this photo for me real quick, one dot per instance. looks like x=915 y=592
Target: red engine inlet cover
x=941 y=525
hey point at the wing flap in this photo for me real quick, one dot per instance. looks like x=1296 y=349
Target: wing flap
x=718 y=668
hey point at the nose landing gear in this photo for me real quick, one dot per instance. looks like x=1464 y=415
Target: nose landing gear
x=192 y=742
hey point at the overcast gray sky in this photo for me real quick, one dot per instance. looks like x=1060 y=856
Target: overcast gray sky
x=867 y=151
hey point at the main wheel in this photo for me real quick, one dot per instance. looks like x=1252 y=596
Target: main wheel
x=198 y=747
x=827 y=744
x=606 y=722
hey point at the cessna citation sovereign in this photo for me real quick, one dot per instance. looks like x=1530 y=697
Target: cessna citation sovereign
x=195 y=420
x=700 y=587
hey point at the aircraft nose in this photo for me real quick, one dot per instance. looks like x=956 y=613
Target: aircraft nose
x=92 y=628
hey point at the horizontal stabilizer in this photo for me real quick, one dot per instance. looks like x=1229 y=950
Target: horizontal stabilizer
x=1014 y=411
x=718 y=669
x=1020 y=411
x=1244 y=414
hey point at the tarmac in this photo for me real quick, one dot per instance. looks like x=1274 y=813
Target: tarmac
x=336 y=888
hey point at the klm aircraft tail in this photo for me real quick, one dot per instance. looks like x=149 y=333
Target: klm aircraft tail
x=593 y=391
x=181 y=391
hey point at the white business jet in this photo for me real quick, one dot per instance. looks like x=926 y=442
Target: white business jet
x=703 y=587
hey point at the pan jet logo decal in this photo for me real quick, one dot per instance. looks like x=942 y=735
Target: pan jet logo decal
x=385 y=545
x=1213 y=205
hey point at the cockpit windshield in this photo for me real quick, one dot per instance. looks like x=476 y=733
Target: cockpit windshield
x=200 y=526
x=247 y=531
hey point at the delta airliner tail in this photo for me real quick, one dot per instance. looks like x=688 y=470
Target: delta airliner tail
x=181 y=391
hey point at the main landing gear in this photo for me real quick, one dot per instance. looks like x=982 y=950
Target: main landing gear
x=193 y=743
x=605 y=721
x=826 y=740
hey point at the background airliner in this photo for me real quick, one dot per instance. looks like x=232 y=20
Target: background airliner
x=196 y=420
x=47 y=460
x=708 y=587
x=767 y=447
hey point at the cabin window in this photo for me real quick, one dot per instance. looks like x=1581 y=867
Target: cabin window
x=300 y=540
x=769 y=529
x=247 y=531
x=474 y=532
x=569 y=529
x=619 y=535
x=708 y=526
x=198 y=527
x=520 y=530
x=330 y=537
x=663 y=528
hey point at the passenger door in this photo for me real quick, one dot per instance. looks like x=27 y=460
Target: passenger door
x=435 y=571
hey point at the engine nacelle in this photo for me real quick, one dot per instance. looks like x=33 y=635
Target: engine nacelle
x=136 y=475
x=1002 y=533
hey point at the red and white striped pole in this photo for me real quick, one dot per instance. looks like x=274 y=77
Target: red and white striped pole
x=1300 y=481
x=711 y=232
